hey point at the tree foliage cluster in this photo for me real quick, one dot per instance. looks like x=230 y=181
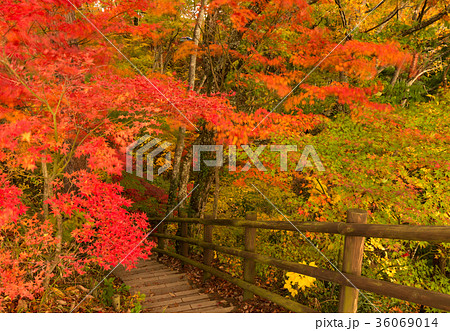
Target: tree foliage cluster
x=364 y=82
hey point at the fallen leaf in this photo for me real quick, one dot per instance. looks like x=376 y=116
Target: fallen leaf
x=84 y=289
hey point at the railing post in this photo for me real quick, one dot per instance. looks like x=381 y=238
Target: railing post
x=184 y=245
x=250 y=245
x=207 y=253
x=161 y=241
x=352 y=262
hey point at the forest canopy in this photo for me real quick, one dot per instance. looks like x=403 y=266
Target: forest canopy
x=364 y=82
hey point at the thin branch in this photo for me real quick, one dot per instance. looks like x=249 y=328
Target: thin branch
x=424 y=24
x=419 y=75
x=387 y=19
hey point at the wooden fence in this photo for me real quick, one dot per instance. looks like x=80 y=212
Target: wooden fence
x=355 y=230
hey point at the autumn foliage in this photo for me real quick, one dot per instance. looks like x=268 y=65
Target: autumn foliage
x=61 y=102
x=80 y=80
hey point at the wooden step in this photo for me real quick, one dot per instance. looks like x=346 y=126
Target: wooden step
x=167 y=277
x=162 y=273
x=176 y=301
x=181 y=299
x=147 y=269
x=144 y=263
x=219 y=310
x=131 y=277
x=158 y=304
x=144 y=282
x=176 y=294
x=140 y=272
x=178 y=307
x=164 y=290
x=164 y=285
x=194 y=305
x=195 y=297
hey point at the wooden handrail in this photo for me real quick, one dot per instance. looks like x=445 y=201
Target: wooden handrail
x=355 y=235
x=430 y=233
x=407 y=293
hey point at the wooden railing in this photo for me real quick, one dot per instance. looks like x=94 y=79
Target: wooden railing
x=355 y=230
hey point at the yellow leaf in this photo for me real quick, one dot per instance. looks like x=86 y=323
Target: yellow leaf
x=58 y=292
x=26 y=137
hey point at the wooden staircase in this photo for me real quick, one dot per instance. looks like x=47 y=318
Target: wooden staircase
x=167 y=290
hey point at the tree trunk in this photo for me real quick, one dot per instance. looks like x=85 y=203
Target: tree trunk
x=47 y=188
x=343 y=77
x=184 y=180
x=196 y=37
x=199 y=88
x=203 y=178
x=413 y=66
x=157 y=60
x=47 y=194
x=342 y=14
x=216 y=191
x=58 y=250
x=398 y=70
x=175 y=178
x=444 y=80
